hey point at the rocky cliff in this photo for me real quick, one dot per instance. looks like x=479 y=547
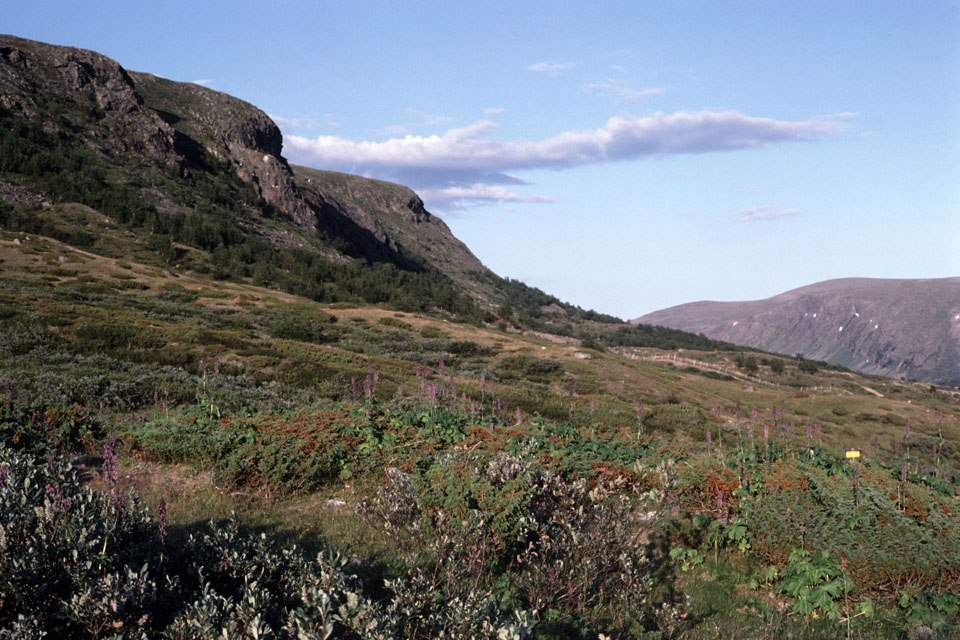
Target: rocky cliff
x=161 y=137
x=902 y=328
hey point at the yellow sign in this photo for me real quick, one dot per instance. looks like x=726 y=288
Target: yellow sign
x=853 y=453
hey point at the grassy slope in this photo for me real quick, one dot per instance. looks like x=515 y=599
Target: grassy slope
x=89 y=329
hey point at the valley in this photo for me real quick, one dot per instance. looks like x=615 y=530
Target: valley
x=243 y=398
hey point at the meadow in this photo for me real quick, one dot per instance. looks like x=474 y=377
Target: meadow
x=186 y=457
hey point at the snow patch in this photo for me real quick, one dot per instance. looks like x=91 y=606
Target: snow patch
x=876 y=326
x=736 y=322
x=840 y=329
x=814 y=315
x=856 y=314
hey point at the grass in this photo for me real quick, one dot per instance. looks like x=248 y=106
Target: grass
x=74 y=330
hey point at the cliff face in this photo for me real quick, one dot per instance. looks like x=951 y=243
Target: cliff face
x=242 y=138
x=163 y=136
x=900 y=328
x=84 y=96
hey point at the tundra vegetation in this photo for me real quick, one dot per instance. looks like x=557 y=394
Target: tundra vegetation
x=183 y=457
x=219 y=419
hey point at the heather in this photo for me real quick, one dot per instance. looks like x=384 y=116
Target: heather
x=482 y=520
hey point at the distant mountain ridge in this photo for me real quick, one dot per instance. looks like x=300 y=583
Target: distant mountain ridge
x=900 y=328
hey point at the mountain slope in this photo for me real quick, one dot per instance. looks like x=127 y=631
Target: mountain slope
x=900 y=328
x=171 y=174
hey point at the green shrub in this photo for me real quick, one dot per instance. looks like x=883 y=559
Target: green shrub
x=668 y=418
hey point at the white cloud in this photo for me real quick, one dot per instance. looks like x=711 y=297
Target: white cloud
x=449 y=198
x=493 y=111
x=468 y=156
x=552 y=69
x=203 y=83
x=619 y=90
x=763 y=213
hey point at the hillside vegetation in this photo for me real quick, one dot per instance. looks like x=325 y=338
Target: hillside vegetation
x=296 y=407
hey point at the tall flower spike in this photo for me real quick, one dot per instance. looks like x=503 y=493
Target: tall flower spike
x=162 y=520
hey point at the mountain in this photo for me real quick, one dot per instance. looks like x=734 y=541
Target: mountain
x=131 y=165
x=900 y=328
x=201 y=174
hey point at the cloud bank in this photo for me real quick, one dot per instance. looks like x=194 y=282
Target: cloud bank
x=763 y=213
x=551 y=68
x=621 y=91
x=468 y=158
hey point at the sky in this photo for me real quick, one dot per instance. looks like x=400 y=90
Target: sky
x=623 y=156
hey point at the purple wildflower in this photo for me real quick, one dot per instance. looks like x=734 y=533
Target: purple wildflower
x=367 y=388
x=399 y=391
x=809 y=430
x=766 y=431
x=7 y=391
x=3 y=472
x=60 y=502
x=519 y=415
x=203 y=362
x=591 y=405
x=110 y=461
x=720 y=501
x=709 y=437
x=903 y=472
x=162 y=520
x=750 y=429
x=216 y=364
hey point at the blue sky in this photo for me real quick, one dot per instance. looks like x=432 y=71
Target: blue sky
x=624 y=156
